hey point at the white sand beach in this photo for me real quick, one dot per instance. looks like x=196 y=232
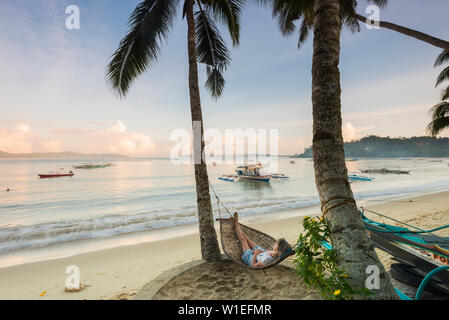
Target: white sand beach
x=118 y=273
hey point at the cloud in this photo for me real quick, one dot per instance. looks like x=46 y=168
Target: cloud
x=114 y=139
x=21 y=139
x=350 y=132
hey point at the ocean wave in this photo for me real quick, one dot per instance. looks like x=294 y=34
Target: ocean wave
x=44 y=234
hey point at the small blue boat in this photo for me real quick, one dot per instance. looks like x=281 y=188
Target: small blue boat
x=357 y=177
x=228 y=177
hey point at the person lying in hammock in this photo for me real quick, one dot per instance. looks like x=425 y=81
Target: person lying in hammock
x=253 y=255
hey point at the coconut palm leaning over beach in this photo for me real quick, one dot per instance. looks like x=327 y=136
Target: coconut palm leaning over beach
x=149 y=24
x=440 y=112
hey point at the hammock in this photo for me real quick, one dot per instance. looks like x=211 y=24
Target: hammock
x=233 y=248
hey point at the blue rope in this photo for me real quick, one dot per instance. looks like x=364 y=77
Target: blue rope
x=401 y=231
x=427 y=279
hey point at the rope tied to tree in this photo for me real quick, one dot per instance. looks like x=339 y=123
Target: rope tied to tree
x=345 y=200
x=219 y=202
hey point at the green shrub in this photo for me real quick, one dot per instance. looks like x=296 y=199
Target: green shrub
x=318 y=266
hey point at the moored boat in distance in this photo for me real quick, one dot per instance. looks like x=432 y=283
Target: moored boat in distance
x=56 y=174
x=228 y=177
x=279 y=176
x=92 y=166
x=353 y=176
x=386 y=171
x=252 y=172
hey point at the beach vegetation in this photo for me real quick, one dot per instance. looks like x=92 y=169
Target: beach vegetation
x=373 y=146
x=440 y=112
x=318 y=265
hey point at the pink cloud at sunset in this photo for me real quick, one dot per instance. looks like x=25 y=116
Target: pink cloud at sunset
x=21 y=139
x=350 y=132
x=114 y=139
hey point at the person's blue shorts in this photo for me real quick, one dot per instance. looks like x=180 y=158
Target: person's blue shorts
x=247 y=256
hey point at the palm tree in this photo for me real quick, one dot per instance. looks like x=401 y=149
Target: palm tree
x=326 y=18
x=440 y=118
x=149 y=25
x=348 y=234
x=291 y=11
x=440 y=112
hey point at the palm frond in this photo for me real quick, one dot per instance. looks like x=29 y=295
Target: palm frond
x=303 y=33
x=440 y=118
x=348 y=15
x=212 y=51
x=443 y=76
x=442 y=58
x=293 y=13
x=149 y=24
x=445 y=94
x=215 y=82
x=228 y=12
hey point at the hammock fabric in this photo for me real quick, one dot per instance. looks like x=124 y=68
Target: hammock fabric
x=233 y=248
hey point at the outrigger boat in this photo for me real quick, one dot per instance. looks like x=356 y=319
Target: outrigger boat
x=418 y=249
x=92 y=166
x=228 y=177
x=386 y=171
x=354 y=176
x=252 y=172
x=279 y=176
x=56 y=175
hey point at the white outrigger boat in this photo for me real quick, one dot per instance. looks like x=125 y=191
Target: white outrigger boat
x=228 y=177
x=279 y=176
x=252 y=172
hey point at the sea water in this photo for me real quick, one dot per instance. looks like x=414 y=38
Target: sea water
x=139 y=200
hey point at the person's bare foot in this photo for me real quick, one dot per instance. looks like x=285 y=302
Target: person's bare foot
x=236 y=218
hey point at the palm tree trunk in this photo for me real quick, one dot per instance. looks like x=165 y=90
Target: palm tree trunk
x=209 y=244
x=410 y=32
x=348 y=234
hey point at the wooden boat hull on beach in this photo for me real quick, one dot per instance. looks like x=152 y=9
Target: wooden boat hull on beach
x=426 y=253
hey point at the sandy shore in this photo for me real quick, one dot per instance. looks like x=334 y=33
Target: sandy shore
x=118 y=273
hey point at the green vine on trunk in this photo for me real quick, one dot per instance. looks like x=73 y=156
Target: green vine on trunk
x=318 y=265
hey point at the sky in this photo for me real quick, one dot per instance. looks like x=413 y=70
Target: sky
x=54 y=96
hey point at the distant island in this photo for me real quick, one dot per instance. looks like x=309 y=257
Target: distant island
x=386 y=147
x=61 y=155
